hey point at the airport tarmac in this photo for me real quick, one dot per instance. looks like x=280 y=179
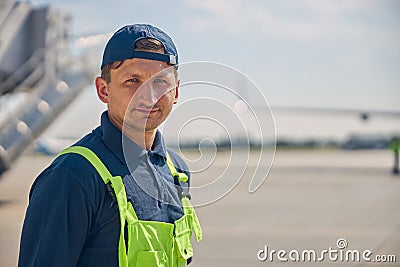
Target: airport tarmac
x=311 y=200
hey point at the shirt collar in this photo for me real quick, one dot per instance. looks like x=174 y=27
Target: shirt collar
x=120 y=145
x=159 y=147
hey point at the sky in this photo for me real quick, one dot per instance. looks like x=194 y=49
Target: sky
x=331 y=53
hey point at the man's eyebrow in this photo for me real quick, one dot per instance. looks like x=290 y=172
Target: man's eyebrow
x=163 y=73
x=160 y=75
x=131 y=74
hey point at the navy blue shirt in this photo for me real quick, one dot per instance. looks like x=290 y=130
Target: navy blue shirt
x=72 y=220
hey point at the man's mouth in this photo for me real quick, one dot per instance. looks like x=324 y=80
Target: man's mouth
x=147 y=111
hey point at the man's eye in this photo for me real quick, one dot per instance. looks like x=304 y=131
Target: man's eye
x=133 y=80
x=159 y=80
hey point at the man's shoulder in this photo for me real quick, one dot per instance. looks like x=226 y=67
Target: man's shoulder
x=74 y=165
x=77 y=163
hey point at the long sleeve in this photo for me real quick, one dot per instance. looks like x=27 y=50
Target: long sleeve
x=57 y=221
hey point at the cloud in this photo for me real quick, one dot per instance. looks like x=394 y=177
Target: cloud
x=248 y=17
x=300 y=21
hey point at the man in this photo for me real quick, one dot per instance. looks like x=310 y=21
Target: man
x=394 y=147
x=118 y=197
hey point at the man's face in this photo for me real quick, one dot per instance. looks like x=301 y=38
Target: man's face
x=141 y=93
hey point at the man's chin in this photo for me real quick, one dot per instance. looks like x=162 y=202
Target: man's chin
x=144 y=127
x=151 y=126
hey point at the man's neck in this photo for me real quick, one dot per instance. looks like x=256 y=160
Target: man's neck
x=144 y=139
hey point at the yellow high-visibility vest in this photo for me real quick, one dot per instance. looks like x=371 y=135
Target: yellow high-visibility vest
x=150 y=243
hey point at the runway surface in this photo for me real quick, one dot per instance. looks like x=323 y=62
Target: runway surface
x=310 y=200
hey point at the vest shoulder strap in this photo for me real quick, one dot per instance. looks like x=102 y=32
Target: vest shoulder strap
x=181 y=180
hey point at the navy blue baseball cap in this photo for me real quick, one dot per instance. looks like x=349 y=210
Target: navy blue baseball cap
x=121 y=45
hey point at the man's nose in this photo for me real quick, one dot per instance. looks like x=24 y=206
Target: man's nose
x=147 y=94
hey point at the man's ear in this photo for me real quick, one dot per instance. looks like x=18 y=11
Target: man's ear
x=102 y=90
x=177 y=91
